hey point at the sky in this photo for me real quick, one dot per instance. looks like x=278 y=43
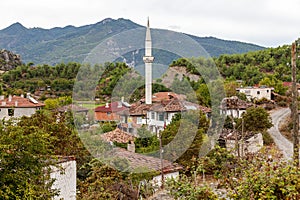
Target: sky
x=268 y=23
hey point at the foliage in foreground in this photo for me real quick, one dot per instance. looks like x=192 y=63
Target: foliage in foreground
x=263 y=176
x=24 y=172
x=259 y=176
x=185 y=188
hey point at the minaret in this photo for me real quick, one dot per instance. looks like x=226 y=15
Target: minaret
x=148 y=59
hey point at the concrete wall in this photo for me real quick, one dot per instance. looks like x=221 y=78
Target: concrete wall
x=256 y=93
x=65 y=180
x=18 y=112
x=251 y=145
x=157 y=179
x=233 y=112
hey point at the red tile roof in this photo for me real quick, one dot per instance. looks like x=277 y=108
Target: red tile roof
x=162 y=96
x=138 y=161
x=117 y=135
x=235 y=103
x=20 y=102
x=111 y=107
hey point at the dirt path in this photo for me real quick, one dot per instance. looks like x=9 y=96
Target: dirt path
x=283 y=144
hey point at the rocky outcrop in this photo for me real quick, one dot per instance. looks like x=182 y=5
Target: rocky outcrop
x=9 y=60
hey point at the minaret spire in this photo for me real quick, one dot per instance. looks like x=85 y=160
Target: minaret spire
x=148 y=59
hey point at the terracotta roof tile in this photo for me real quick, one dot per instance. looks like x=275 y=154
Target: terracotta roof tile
x=111 y=107
x=235 y=103
x=142 y=161
x=20 y=102
x=117 y=135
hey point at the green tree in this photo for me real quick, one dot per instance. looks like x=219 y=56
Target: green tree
x=180 y=131
x=25 y=162
x=256 y=119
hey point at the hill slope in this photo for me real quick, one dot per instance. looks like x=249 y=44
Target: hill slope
x=71 y=43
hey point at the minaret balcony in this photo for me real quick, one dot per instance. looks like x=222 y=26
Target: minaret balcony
x=148 y=59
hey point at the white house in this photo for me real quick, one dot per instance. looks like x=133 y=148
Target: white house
x=18 y=106
x=142 y=163
x=234 y=107
x=157 y=115
x=160 y=114
x=65 y=178
x=256 y=92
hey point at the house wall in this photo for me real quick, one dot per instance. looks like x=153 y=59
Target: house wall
x=157 y=179
x=65 y=180
x=256 y=93
x=18 y=112
x=252 y=145
x=233 y=112
x=157 y=125
x=104 y=116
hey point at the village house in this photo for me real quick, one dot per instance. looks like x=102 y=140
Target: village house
x=143 y=163
x=119 y=136
x=247 y=142
x=256 y=92
x=108 y=112
x=288 y=85
x=18 y=106
x=158 y=115
x=234 y=107
x=64 y=175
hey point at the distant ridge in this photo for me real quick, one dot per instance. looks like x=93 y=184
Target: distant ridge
x=70 y=43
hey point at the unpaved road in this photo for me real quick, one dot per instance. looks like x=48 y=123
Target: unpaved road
x=282 y=143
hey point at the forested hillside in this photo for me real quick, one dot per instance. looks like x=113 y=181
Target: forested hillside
x=72 y=44
x=266 y=67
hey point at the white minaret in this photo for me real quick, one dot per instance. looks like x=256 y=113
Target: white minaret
x=148 y=59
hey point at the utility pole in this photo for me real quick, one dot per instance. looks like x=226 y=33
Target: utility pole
x=161 y=161
x=295 y=107
x=242 y=149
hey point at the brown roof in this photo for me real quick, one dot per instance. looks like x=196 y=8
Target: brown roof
x=117 y=135
x=235 y=103
x=111 y=107
x=142 y=161
x=136 y=109
x=20 y=102
x=176 y=105
x=162 y=96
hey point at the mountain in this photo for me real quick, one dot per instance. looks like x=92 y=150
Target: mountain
x=70 y=43
x=9 y=60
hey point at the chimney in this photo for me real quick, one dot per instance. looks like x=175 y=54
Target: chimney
x=16 y=103
x=119 y=104
x=28 y=95
x=22 y=95
x=9 y=98
x=122 y=99
x=131 y=147
x=1 y=97
x=106 y=105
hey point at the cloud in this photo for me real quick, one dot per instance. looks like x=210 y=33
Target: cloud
x=268 y=22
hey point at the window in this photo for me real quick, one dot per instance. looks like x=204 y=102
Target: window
x=139 y=120
x=152 y=115
x=267 y=91
x=258 y=92
x=108 y=113
x=161 y=117
x=11 y=112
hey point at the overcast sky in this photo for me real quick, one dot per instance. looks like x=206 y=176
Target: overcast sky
x=264 y=22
